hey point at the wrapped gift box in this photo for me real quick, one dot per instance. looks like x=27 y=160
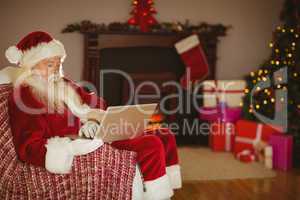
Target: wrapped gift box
x=282 y=151
x=249 y=133
x=222 y=136
x=229 y=91
x=221 y=113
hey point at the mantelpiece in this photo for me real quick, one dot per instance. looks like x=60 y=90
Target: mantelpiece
x=116 y=35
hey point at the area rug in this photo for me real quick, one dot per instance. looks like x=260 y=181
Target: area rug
x=199 y=163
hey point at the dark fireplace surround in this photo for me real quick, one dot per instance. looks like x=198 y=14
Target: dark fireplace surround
x=145 y=56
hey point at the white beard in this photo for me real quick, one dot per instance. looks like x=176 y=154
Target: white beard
x=56 y=94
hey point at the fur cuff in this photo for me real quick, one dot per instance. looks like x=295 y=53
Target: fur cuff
x=59 y=155
x=158 y=189
x=174 y=175
x=187 y=43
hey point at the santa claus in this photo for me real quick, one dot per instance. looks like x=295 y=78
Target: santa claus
x=47 y=110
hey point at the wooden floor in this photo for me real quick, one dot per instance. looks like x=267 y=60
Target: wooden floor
x=285 y=186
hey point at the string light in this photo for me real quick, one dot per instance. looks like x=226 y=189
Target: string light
x=272 y=100
x=266 y=91
x=292 y=30
x=266 y=71
x=293 y=44
x=254 y=81
x=277 y=62
x=264 y=78
x=282 y=99
x=296 y=35
x=250 y=110
x=279 y=86
x=295 y=74
x=258 y=88
x=241 y=104
x=257 y=106
x=246 y=91
x=283 y=30
x=252 y=74
x=289 y=55
x=278 y=27
x=298 y=106
x=277 y=50
x=260 y=72
x=265 y=102
x=271 y=45
x=272 y=62
x=279 y=79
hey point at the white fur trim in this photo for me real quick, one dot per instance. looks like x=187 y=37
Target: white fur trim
x=187 y=43
x=85 y=146
x=137 y=186
x=42 y=51
x=59 y=155
x=73 y=101
x=13 y=55
x=174 y=175
x=158 y=189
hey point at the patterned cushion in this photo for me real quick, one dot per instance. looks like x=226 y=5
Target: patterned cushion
x=8 y=155
x=103 y=174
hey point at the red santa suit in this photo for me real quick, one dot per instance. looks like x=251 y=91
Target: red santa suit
x=156 y=151
x=41 y=139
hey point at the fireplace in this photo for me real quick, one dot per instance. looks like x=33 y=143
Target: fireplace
x=150 y=57
x=155 y=64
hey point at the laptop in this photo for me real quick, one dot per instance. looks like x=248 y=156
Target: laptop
x=125 y=122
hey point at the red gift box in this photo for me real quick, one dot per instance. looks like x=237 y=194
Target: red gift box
x=222 y=136
x=249 y=133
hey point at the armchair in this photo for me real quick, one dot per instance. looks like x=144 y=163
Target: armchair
x=106 y=173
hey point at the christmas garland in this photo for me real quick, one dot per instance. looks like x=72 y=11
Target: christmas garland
x=86 y=27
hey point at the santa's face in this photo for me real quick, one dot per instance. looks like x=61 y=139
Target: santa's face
x=48 y=67
x=47 y=84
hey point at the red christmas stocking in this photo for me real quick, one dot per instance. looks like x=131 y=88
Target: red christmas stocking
x=194 y=59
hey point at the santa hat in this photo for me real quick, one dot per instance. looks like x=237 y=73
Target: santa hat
x=33 y=48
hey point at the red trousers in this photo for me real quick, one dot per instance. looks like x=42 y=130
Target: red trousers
x=155 y=150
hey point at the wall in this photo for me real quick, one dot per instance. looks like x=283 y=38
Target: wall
x=245 y=47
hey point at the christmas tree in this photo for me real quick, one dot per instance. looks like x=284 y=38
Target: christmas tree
x=142 y=14
x=274 y=89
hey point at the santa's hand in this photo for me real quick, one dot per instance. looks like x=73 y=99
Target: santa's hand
x=89 y=129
